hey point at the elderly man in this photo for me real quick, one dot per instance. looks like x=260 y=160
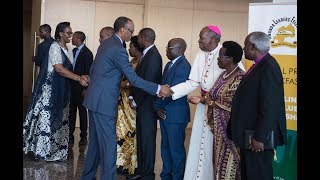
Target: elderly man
x=204 y=72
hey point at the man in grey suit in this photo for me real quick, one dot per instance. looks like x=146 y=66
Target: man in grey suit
x=111 y=62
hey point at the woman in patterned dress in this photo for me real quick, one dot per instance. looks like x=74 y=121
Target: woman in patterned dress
x=226 y=157
x=126 y=121
x=45 y=126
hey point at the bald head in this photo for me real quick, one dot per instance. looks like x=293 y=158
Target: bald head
x=105 y=33
x=180 y=43
x=176 y=47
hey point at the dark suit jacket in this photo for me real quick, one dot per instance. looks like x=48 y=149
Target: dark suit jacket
x=43 y=51
x=177 y=111
x=82 y=67
x=150 y=69
x=110 y=63
x=258 y=104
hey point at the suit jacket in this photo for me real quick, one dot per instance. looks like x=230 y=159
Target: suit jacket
x=111 y=62
x=82 y=67
x=149 y=68
x=258 y=104
x=43 y=51
x=177 y=111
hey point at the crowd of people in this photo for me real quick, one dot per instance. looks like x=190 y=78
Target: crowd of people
x=120 y=102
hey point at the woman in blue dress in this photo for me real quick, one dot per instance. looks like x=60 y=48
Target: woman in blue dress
x=45 y=125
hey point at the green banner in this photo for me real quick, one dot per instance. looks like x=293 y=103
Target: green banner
x=285 y=161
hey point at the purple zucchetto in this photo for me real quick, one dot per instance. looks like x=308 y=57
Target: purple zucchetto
x=214 y=29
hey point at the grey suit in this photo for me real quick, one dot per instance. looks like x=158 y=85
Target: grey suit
x=110 y=64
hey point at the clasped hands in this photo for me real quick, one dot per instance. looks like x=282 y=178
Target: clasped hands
x=84 y=80
x=205 y=99
x=165 y=91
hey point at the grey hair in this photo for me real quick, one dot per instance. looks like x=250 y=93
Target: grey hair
x=261 y=41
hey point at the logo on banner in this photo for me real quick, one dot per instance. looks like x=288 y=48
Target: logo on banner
x=282 y=32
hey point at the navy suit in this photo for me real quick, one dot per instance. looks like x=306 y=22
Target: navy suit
x=150 y=69
x=258 y=104
x=110 y=64
x=177 y=112
x=81 y=67
x=43 y=51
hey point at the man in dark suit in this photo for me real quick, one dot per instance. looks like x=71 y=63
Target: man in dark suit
x=174 y=115
x=258 y=105
x=83 y=59
x=149 y=68
x=43 y=48
x=110 y=64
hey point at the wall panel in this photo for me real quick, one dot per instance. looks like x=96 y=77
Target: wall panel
x=106 y=13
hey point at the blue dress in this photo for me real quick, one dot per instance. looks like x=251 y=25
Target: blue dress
x=45 y=125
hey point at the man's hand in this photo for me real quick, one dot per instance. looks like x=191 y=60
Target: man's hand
x=162 y=114
x=256 y=146
x=194 y=99
x=84 y=80
x=165 y=91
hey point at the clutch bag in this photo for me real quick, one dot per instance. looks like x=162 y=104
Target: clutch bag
x=248 y=135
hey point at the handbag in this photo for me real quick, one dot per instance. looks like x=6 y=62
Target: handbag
x=248 y=136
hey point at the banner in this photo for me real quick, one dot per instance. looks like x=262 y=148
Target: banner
x=279 y=21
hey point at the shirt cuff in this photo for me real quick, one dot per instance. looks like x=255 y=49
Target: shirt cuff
x=130 y=97
x=158 y=90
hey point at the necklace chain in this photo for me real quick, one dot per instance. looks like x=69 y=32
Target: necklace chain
x=225 y=75
x=207 y=65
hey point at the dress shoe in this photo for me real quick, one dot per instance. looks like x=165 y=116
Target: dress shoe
x=83 y=141
x=134 y=177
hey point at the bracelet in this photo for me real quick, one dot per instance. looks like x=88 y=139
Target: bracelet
x=128 y=84
x=210 y=103
x=79 y=77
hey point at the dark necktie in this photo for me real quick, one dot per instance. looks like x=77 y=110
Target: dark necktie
x=74 y=52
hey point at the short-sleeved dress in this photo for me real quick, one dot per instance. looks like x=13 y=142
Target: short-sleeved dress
x=45 y=125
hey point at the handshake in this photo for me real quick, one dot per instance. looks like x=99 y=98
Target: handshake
x=165 y=91
x=84 y=80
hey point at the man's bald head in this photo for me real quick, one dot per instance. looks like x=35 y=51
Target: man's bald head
x=105 y=33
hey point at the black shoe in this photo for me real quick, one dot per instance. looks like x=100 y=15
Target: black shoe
x=83 y=141
x=133 y=177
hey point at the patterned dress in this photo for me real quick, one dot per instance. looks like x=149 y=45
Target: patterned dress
x=226 y=157
x=126 y=134
x=45 y=126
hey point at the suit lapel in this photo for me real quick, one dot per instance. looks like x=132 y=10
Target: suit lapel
x=254 y=71
x=170 y=72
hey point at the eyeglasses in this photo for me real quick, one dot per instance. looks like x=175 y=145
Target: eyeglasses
x=223 y=56
x=131 y=31
x=170 y=47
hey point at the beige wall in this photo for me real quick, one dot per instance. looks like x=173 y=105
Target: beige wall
x=169 y=19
